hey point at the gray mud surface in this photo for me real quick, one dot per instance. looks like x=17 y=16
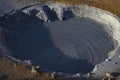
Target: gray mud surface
x=72 y=45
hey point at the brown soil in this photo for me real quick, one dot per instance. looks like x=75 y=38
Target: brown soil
x=12 y=70
x=109 y=5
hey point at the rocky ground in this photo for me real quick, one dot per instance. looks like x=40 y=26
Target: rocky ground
x=12 y=70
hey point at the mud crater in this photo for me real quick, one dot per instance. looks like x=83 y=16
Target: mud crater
x=68 y=44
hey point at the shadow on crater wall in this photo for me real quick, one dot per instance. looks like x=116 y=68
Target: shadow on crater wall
x=29 y=38
x=51 y=14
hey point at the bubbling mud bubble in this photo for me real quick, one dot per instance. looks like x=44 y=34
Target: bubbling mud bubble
x=62 y=38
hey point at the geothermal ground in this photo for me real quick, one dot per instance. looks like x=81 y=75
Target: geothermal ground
x=67 y=40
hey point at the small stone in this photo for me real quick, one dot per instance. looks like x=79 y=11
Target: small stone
x=108 y=74
x=53 y=74
x=33 y=71
x=49 y=21
x=78 y=74
x=108 y=60
x=103 y=79
x=37 y=67
x=115 y=63
x=88 y=74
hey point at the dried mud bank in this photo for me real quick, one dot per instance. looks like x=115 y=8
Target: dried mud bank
x=109 y=5
x=65 y=38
